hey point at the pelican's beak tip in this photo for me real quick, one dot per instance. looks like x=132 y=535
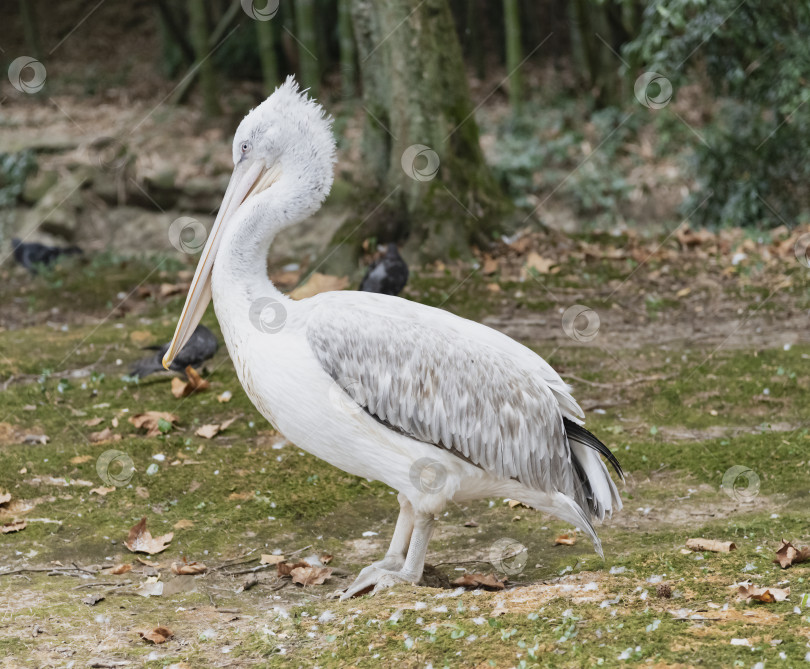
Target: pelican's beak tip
x=166 y=362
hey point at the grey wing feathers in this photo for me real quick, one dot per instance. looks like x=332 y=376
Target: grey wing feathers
x=458 y=393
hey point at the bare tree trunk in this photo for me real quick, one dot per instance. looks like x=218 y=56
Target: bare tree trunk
x=348 y=52
x=611 y=21
x=308 y=68
x=420 y=139
x=476 y=35
x=28 y=14
x=514 y=54
x=199 y=38
x=267 y=54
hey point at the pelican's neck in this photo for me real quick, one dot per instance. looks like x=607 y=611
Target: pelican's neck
x=239 y=277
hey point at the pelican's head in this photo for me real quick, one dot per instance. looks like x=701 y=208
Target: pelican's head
x=287 y=139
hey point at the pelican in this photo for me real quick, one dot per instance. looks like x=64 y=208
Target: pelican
x=435 y=406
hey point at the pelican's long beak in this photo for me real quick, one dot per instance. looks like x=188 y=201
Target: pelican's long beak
x=248 y=178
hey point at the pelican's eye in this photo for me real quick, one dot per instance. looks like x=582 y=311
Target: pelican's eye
x=244 y=148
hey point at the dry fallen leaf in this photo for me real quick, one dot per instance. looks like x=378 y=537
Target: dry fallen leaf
x=183 y=524
x=478 y=580
x=319 y=283
x=470 y=523
x=157 y=635
x=169 y=289
x=225 y=397
x=103 y=436
x=565 y=539
x=211 y=430
x=711 y=545
x=513 y=503
x=92 y=422
x=208 y=431
x=93 y=599
x=140 y=540
x=326 y=558
x=150 y=421
x=195 y=383
x=120 y=569
x=490 y=266
x=179 y=387
x=272 y=559
x=152 y=587
x=13 y=526
x=5 y=498
x=310 y=575
x=767 y=595
x=101 y=490
x=186 y=568
x=81 y=459
x=788 y=554
x=285 y=568
x=538 y=263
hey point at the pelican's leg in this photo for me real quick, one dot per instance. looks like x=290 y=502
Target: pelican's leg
x=395 y=556
x=411 y=569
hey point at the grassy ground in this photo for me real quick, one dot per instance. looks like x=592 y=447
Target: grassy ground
x=682 y=387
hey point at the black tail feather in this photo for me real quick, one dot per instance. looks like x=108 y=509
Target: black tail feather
x=578 y=433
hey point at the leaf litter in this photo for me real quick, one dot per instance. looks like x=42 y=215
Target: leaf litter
x=140 y=540
x=788 y=554
x=154 y=422
x=194 y=383
x=157 y=635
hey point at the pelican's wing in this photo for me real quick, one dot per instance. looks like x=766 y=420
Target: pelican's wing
x=447 y=381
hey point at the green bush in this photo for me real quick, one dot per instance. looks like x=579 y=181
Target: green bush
x=755 y=58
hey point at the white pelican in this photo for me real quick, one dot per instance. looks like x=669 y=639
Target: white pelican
x=438 y=407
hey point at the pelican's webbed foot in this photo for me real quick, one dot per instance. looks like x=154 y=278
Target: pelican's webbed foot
x=374 y=578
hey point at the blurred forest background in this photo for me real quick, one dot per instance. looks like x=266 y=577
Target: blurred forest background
x=582 y=114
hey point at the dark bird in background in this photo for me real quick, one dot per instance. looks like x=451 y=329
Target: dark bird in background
x=388 y=275
x=33 y=255
x=201 y=347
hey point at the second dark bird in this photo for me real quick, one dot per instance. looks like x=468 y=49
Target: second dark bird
x=387 y=275
x=33 y=255
x=201 y=347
